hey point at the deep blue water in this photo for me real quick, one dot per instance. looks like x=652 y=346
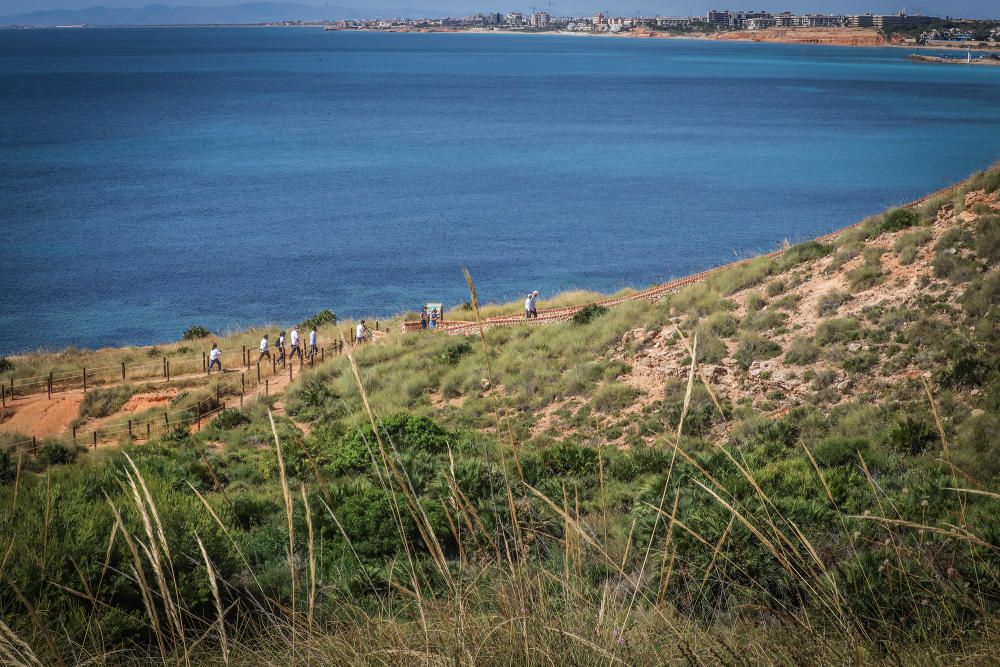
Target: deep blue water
x=155 y=178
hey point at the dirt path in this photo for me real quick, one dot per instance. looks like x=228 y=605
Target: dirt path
x=42 y=417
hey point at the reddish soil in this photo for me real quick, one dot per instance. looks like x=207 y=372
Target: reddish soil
x=40 y=416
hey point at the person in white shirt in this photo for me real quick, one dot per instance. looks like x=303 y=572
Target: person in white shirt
x=281 y=347
x=295 y=349
x=264 y=351
x=530 y=306
x=312 y=343
x=359 y=335
x=215 y=358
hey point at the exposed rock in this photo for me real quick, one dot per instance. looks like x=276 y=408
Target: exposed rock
x=854 y=347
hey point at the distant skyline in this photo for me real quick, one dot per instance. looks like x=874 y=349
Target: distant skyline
x=968 y=8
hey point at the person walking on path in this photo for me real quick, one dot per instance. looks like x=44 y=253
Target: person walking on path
x=264 y=351
x=424 y=319
x=312 y=344
x=530 y=306
x=359 y=334
x=295 y=349
x=281 y=347
x=215 y=358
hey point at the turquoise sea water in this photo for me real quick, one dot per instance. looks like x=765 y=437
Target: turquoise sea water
x=155 y=178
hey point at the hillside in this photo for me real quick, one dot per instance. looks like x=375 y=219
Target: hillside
x=791 y=461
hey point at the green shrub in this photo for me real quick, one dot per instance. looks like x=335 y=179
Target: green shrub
x=838 y=330
x=911 y=436
x=906 y=245
x=6 y=364
x=321 y=318
x=843 y=257
x=455 y=351
x=699 y=301
x=754 y=348
x=838 y=451
x=755 y=302
x=194 y=332
x=949 y=262
x=589 y=313
x=56 y=453
x=613 y=397
x=982 y=300
x=859 y=362
x=563 y=458
x=869 y=274
x=898 y=220
x=987 y=240
x=776 y=287
x=230 y=419
x=763 y=320
x=104 y=402
x=721 y=324
x=831 y=301
x=802 y=351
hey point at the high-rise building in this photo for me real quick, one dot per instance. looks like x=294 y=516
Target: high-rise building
x=515 y=18
x=901 y=20
x=540 y=20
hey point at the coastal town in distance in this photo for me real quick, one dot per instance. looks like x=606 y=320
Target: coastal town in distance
x=898 y=28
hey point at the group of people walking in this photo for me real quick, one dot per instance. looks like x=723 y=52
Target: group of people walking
x=295 y=347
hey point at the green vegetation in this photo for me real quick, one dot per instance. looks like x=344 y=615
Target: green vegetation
x=869 y=274
x=194 y=332
x=322 y=318
x=907 y=245
x=589 y=313
x=440 y=500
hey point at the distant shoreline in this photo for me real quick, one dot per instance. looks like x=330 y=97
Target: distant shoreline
x=698 y=37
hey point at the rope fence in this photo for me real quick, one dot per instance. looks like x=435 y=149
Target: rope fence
x=163 y=370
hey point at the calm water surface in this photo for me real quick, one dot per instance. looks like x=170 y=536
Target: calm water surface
x=155 y=178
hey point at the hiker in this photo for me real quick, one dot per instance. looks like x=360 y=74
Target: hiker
x=312 y=344
x=359 y=334
x=281 y=348
x=295 y=349
x=264 y=351
x=434 y=318
x=530 y=307
x=424 y=319
x=215 y=358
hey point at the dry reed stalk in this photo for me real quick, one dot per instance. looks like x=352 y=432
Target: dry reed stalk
x=312 y=559
x=140 y=577
x=716 y=550
x=287 y=495
x=15 y=650
x=701 y=374
x=690 y=385
x=37 y=622
x=152 y=551
x=937 y=416
x=213 y=584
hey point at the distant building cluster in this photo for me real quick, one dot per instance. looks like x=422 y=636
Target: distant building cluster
x=754 y=20
x=714 y=20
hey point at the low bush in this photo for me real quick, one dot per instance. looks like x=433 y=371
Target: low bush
x=898 y=219
x=763 y=320
x=6 y=364
x=776 y=287
x=613 y=397
x=869 y=274
x=230 y=419
x=838 y=451
x=755 y=302
x=755 y=348
x=321 y=318
x=721 y=324
x=104 y=402
x=194 y=332
x=589 y=313
x=830 y=302
x=839 y=330
x=859 y=362
x=906 y=245
x=912 y=436
x=949 y=261
x=802 y=351
x=987 y=240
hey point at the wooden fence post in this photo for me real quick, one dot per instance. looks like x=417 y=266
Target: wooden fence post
x=12 y=389
x=85 y=380
x=34 y=443
x=290 y=372
x=164 y=367
x=74 y=435
x=204 y=362
x=149 y=430
x=50 y=385
x=95 y=439
x=3 y=395
x=130 y=429
x=168 y=370
x=258 y=372
x=243 y=383
x=123 y=371
x=267 y=387
x=166 y=420
x=322 y=354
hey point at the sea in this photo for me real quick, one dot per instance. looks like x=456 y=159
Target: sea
x=155 y=178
